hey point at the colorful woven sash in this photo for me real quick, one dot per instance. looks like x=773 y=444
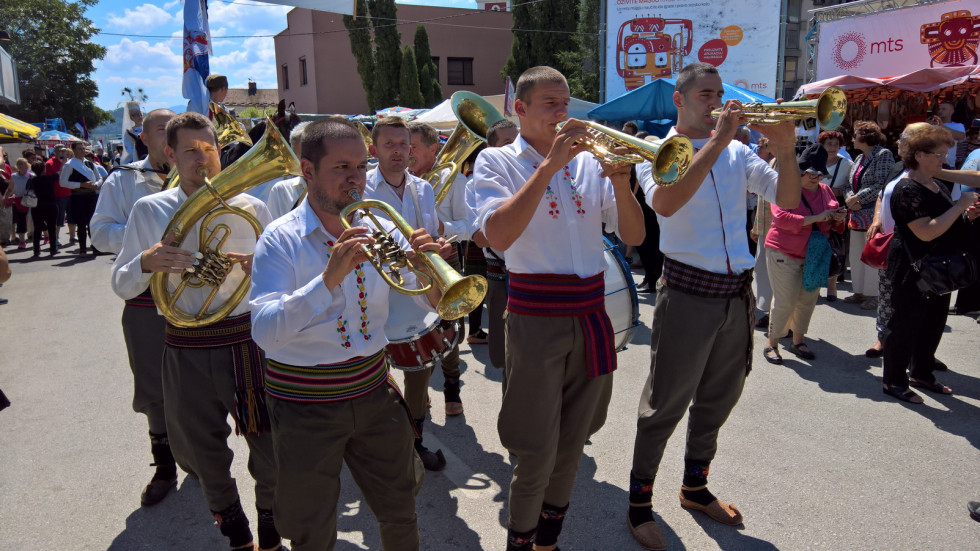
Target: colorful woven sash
x=496 y=269
x=705 y=284
x=143 y=300
x=251 y=416
x=567 y=295
x=328 y=382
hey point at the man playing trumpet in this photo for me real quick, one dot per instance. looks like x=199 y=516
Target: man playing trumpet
x=216 y=369
x=543 y=200
x=319 y=309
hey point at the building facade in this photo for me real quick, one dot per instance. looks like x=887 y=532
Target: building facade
x=317 y=71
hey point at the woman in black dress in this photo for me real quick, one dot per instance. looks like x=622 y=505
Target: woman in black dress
x=927 y=221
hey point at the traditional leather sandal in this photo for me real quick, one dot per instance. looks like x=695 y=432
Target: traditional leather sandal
x=718 y=510
x=776 y=358
x=934 y=386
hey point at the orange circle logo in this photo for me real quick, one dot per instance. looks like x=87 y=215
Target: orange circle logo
x=732 y=35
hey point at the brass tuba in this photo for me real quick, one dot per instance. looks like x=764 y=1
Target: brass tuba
x=229 y=131
x=670 y=157
x=460 y=295
x=829 y=110
x=475 y=116
x=270 y=158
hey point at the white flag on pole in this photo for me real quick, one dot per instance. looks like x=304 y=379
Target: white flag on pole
x=197 y=47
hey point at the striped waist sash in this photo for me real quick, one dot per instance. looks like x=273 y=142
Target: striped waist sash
x=496 y=269
x=567 y=295
x=705 y=284
x=143 y=300
x=327 y=382
x=248 y=361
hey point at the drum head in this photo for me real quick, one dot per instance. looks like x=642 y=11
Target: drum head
x=622 y=303
x=407 y=321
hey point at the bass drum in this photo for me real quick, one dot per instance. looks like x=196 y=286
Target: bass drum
x=417 y=338
x=622 y=303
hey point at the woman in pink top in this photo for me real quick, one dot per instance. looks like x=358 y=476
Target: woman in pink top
x=787 y=243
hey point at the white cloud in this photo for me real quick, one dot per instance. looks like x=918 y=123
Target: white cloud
x=171 y=5
x=141 y=19
x=135 y=57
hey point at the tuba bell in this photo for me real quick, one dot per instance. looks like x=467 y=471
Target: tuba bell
x=270 y=158
x=670 y=157
x=475 y=115
x=229 y=131
x=829 y=110
x=460 y=295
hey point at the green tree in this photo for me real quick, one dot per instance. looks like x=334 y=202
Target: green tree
x=581 y=65
x=409 y=94
x=387 y=51
x=520 y=54
x=361 y=45
x=428 y=70
x=51 y=44
x=544 y=31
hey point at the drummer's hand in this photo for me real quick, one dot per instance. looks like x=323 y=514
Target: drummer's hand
x=244 y=259
x=168 y=259
x=346 y=254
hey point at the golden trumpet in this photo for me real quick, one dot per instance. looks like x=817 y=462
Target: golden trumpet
x=670 y=157
x=829 y=110
x=460 y=295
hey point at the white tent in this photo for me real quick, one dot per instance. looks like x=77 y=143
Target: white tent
x=443 y=119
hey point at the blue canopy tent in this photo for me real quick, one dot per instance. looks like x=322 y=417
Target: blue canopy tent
x=653 y=105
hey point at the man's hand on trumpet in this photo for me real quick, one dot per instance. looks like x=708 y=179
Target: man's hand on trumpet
x=347 y=253
x=168 y=259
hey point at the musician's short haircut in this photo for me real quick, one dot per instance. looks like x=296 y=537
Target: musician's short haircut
x=495 y=128
x=387 y=122
x=428 y=133
x=154 y=114
x=690 y=74
x=314 y=147
x=296 y=134
x=191 y=121
x=533 y=76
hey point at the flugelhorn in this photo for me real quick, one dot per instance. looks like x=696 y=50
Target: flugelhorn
x=460 y=295
x=829 y=110
x=670 y=157
x=270 y=158
x=475 y=116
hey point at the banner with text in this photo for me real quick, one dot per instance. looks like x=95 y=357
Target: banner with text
x=651 y=39
x=897 y=42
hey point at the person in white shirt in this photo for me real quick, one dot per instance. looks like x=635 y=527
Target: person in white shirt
x=452 y=214
x=214 y=369
x=412 y=197
x=945 y=114
x=500 y=133
x=707 y=278
x=143 y=328
x=81 y=177
x=286 y=194
x=543 y=200
x=331 y=397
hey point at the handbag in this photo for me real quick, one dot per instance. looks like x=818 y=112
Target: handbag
x=941 y=274
x=29 y=199
x=875 y=252
x=838 y=257
x=861 y=219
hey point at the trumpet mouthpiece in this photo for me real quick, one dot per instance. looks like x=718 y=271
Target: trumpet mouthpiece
x=353 y=194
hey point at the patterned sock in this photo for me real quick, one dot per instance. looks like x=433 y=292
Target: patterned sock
x=520 y=541
x=549 y=524
x=641 y=496
x=234 y=524
x=696 y=478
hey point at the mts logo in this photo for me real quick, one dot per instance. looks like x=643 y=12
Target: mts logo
x=886 y=46
x=851 y=48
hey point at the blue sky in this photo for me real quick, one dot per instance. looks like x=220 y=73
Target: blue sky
x=154 y=62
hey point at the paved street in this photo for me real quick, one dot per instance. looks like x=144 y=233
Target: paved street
x=814 y=455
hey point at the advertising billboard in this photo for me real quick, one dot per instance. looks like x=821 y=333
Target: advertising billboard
x=652 y=39
x=897 y=42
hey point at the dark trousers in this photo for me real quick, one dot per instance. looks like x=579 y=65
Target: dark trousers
x=912 y=335
x=82 y=209
x=749 y=220
x=649 y=251
x=44 y=217
x=20 y=221
x=968 y=298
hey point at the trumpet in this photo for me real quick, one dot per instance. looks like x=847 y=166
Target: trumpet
x=460 y=295
x=670 y=157
x=829 y=110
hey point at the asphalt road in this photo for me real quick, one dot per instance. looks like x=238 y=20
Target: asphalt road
x=814 y=455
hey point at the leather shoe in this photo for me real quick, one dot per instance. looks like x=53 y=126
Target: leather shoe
x=718 y=510
x=432 y=461
x=156 y=490
x=648 y=535
x=454 y=408
x=645 y=287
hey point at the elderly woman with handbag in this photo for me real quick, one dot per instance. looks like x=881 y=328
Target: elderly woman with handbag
x=930 y=230
x=867 y=177
x=798 y=255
